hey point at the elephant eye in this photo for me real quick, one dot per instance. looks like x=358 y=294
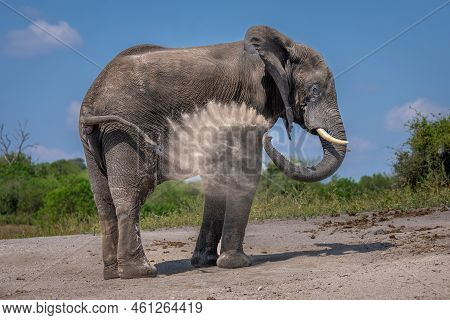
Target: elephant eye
x=315 y=90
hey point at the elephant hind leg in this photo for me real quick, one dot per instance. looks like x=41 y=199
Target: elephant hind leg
x=107 y=216
x=131 y=176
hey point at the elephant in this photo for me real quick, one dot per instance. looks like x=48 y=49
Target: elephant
x=125 y=127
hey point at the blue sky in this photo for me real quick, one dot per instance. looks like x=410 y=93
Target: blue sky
x=44 y=82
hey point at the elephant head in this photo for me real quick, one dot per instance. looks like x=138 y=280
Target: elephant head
x=306 y=87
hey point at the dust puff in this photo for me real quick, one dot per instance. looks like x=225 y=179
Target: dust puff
x=215 y=141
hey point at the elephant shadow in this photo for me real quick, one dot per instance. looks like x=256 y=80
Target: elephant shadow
x=329 y=249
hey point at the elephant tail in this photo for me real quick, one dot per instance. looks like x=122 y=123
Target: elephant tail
x=89 y=122
x=89 y=126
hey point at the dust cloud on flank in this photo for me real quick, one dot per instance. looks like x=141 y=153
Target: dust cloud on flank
x=218 y=142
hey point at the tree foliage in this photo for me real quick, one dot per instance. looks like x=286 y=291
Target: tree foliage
x=25 y=186
x=274 y=182
x=426 y=153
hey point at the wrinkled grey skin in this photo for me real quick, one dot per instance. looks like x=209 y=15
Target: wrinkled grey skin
x=147 y=85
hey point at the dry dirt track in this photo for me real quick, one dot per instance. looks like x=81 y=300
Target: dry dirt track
x=387 y=255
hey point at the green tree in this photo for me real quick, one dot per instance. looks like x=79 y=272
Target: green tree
x=375 y=182
x=424 y=155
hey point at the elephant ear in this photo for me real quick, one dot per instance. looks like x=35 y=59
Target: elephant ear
x=273 y=49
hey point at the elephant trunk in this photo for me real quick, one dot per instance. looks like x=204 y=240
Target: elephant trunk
x=333 y=155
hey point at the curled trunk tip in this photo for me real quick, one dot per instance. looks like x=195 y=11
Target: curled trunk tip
x=333 y=155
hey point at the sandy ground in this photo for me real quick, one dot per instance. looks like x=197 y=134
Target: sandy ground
x=383 y=255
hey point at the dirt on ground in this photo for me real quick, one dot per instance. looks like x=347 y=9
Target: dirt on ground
x=380 y=255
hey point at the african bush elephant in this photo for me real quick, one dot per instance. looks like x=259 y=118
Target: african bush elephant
x=124 y=127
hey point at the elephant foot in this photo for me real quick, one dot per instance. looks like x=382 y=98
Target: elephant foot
x=204 y=259
x=110 y=272
x=140 y=268
x=233 y=259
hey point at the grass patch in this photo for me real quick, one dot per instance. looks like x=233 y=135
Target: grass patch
x=11 y=231
x=281 y=207
x=188 y=212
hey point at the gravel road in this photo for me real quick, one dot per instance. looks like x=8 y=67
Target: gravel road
x=382 y=255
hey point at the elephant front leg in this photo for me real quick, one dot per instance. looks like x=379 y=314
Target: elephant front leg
x=244 y=169
x=236 y=218
x=205 y=253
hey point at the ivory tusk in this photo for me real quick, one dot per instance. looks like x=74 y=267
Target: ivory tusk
x=325 y=135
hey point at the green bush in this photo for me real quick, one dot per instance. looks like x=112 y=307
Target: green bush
x=32 y=192
x=22 y=188
x=63 y=168
x=342 y=188
x=423 y=155
x=376 y=182
x=173 y=197
x=72 y=198
x=274 y=182
x=22 y=167
x=24 y=185
x=9 y=197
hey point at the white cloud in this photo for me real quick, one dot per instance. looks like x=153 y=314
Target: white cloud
x=34 y=40
x=73 y=113
x=398 y=116
x=40 y=153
